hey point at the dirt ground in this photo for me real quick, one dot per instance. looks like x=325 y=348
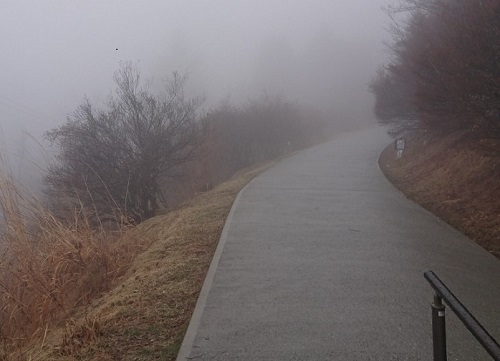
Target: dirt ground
x=456 y=177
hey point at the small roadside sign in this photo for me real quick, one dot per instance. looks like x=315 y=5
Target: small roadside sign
x=399 y=144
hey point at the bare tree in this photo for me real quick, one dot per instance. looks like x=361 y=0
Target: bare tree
x=115 y=158
x=448 y=51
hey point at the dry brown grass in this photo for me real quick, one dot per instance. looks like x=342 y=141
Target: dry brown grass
x=455 y=177
x=47 y=268
x=145 y=315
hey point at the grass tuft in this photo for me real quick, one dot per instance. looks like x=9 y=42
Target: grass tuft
x=79 y=335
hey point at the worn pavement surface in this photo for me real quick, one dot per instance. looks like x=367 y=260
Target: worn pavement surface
x=323 y=259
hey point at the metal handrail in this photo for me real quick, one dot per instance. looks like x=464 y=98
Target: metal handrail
x=438 y=321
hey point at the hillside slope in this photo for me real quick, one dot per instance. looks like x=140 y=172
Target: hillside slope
x=456 y=177
x=145 y=315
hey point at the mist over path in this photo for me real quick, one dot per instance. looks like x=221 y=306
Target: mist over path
x=323 y=258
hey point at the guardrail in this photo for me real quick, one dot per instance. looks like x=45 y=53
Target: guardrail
x=439 y=321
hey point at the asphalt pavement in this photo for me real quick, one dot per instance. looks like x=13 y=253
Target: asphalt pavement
x=322 y=258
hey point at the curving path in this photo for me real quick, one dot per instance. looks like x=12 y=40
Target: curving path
x=323 y=259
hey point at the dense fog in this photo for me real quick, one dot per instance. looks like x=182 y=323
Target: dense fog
x=55 y=53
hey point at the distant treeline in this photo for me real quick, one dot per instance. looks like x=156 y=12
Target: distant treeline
x=445 y=72
x=145 y=151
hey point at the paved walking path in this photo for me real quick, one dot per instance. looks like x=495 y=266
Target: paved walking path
x=323 y=259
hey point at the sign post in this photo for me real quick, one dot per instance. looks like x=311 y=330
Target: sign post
x=399 y=144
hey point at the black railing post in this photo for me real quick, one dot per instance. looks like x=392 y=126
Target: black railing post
x=477 y=330
x=438 y=329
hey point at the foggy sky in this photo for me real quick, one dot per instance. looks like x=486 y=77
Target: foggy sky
x=55 y=52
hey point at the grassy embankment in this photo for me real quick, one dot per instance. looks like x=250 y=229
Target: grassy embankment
x=456 y=177
x=154 y=273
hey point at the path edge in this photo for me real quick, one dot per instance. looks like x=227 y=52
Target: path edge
x=194 y=323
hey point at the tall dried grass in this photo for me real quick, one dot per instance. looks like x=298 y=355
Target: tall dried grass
x=48 y=267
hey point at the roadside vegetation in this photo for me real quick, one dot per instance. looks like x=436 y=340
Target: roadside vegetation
x=108 y=263
x=122 y=160
x=444 y=75
x=144 y=306
x=441 y=92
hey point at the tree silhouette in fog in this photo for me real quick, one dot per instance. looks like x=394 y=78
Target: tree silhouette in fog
x=113 y=159
x=445 y=69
